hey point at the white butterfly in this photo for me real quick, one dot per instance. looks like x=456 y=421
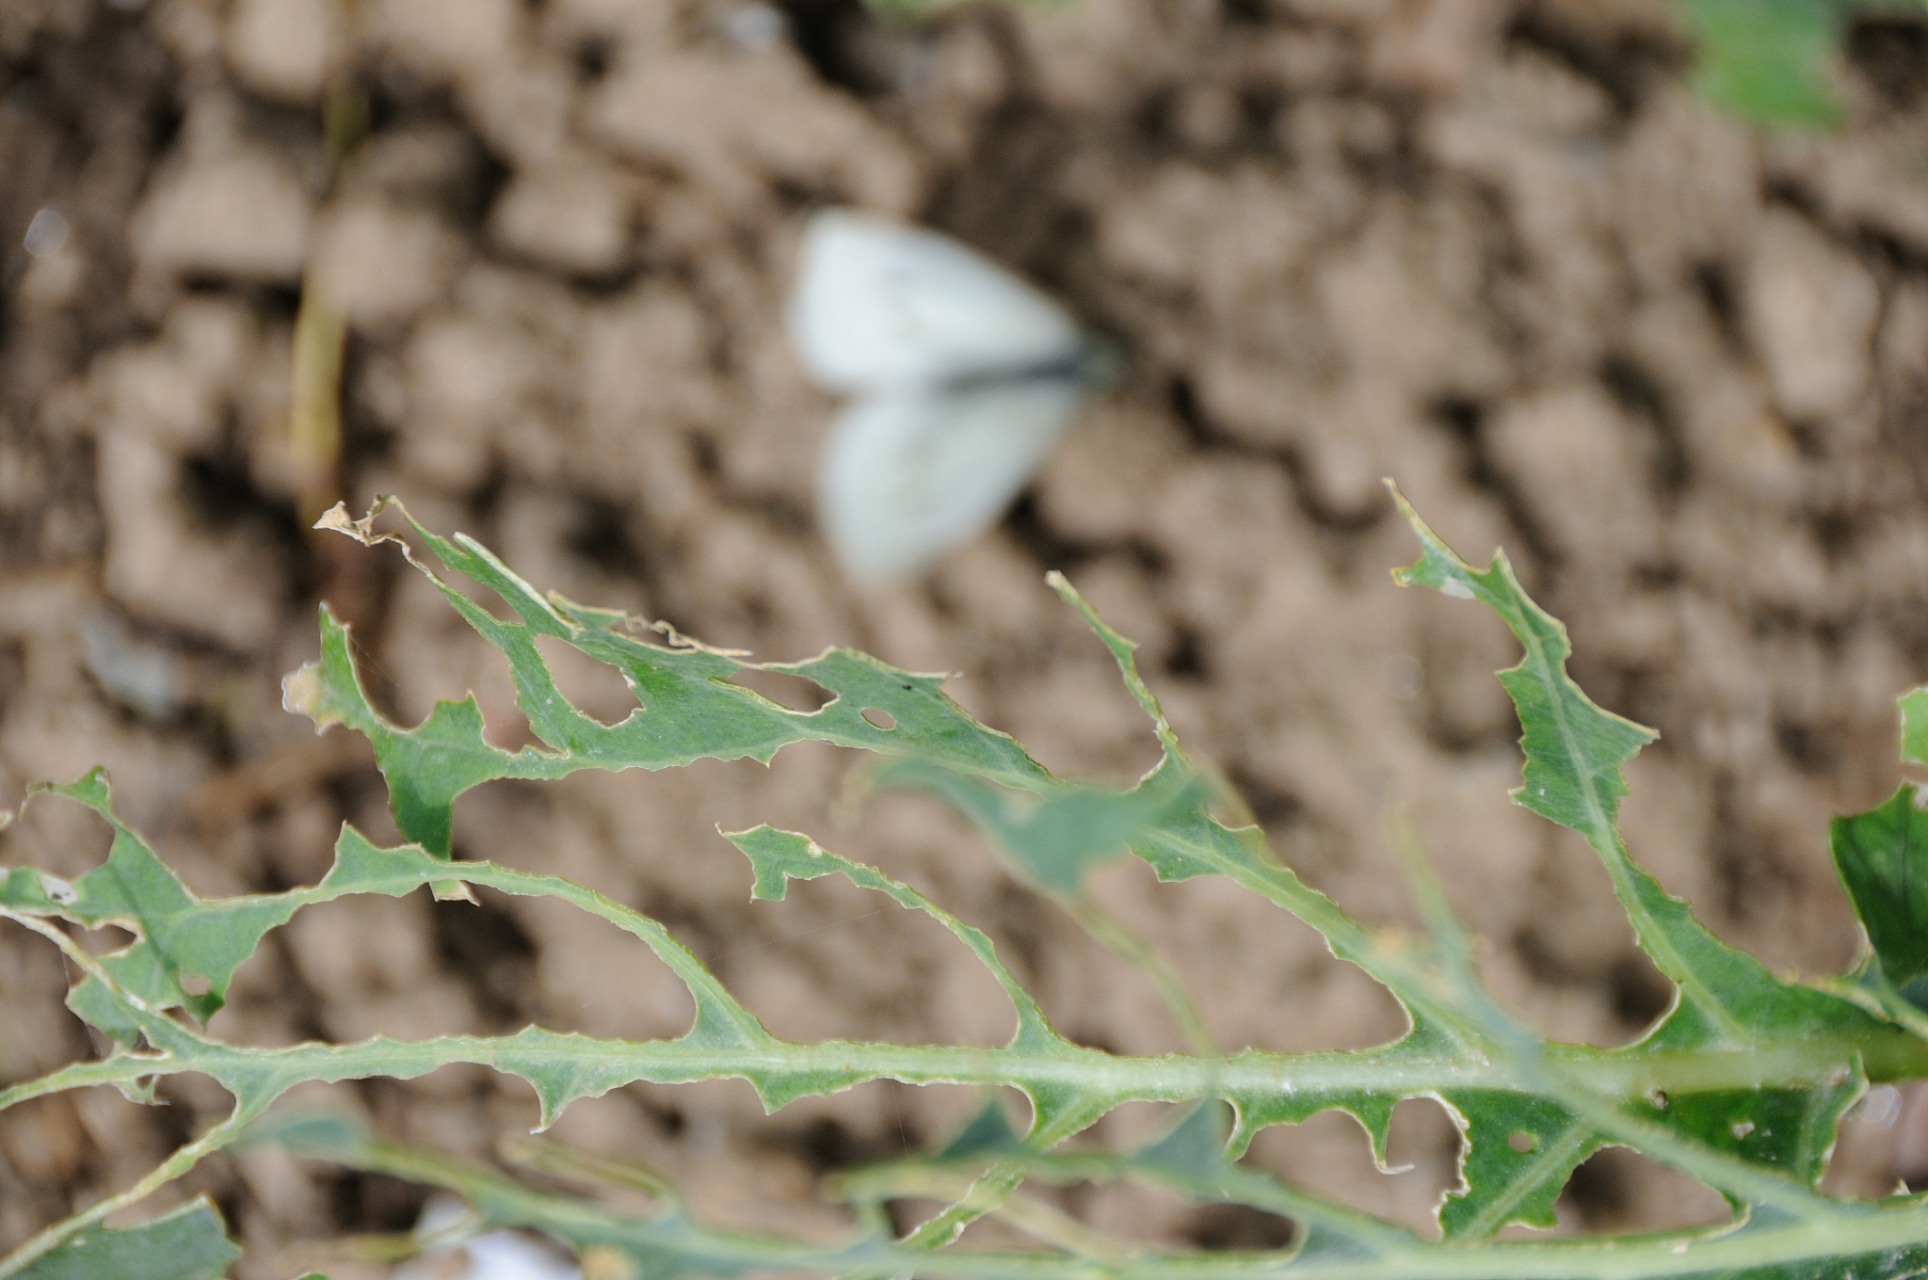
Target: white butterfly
x=961 y=377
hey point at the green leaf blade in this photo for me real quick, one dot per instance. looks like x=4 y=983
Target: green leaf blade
x=1574 y=748
x=1914 y=727
x=1742 y=1084
x=1769 y=60
x=1516 y=1155
x=688 y=707
x=188 y=1243
x=1881 y=856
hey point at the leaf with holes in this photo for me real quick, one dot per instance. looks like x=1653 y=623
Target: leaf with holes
x=1741 y=1084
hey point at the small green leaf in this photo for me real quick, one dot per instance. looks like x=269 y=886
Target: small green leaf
x=1574 y=748
x=1881 y=856
x=1914 y=727
x=180 y=941
x=1768 y=60
x=188 y=1243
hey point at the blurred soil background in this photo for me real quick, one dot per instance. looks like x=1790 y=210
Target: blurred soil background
x=1493 y=248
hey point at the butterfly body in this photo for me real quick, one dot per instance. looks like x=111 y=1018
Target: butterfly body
x=962 y=378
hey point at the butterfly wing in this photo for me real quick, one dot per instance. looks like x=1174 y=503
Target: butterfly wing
x=909 y=474
x=879 y=304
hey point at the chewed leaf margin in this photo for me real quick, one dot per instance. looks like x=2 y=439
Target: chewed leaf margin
x=1881 y=857
x=688 y=708
x=1741 y=1085
x=180 y=941
x=1574 y=750
x=1725 y=999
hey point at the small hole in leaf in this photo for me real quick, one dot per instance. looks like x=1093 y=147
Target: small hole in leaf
x=1659 y=1099
x=1638 y=991
x=106 y=939
x=592 y=687
x=487 y=945
x=794 y=692
x=880 y=718
x=194 y=984
x=1615 y=1188
x=1523 y=1142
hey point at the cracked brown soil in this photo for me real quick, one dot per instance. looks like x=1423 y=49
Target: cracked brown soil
x=1492 y=248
